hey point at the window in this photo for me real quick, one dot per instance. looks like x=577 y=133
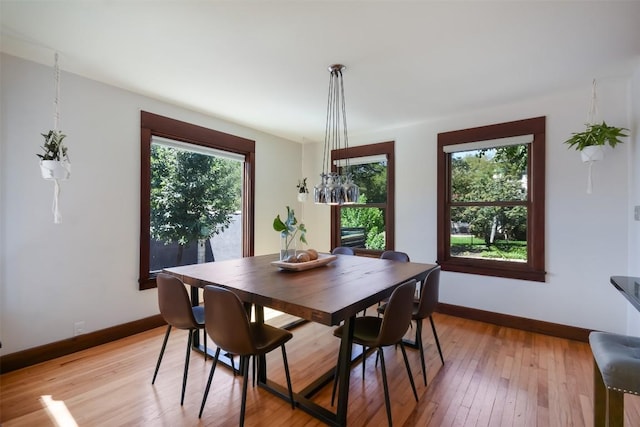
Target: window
x=491 y=200
x=177 y=159
x=368 y=226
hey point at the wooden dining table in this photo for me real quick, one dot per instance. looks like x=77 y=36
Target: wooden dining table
x=329 y=295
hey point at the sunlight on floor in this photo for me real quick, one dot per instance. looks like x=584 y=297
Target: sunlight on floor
x=58 y=412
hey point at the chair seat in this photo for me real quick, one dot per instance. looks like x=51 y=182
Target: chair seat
x=198 y=314
x=365 y=331
x=618 y=358
x=268 y=337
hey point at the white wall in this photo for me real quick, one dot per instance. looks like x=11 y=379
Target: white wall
x=586 y=235
x=87 y=267
x=633 y=316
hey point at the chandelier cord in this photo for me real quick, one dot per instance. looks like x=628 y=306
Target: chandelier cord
x=336 y=186
x=344 y=125
x=327 y=138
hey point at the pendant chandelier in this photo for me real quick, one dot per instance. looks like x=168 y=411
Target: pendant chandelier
x=336 y=186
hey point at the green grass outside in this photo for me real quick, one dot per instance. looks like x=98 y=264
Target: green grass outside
x=471 y=246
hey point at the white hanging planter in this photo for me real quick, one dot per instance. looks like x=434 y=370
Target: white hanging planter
x=592 y=153
x=302 y=197
x=55 y=169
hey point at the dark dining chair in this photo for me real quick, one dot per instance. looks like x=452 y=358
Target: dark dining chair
x=378 y=332
x=228 y=325
x=424 y=307
x=176 y=310
x=392 y=256
x=395 y=256
x=343 y=250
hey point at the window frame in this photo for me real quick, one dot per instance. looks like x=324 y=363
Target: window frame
x=382 y=148
x=534 y=268
x=155 y=125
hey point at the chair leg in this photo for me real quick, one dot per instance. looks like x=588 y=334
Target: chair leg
x=421 y=349
x=206 y=389
x=233 y=364
x=406 y=364
x=435 y=334
x=205 y=344
x=186 y=364
x=164 y=345
x=599 y=398
x=253 y=371
x=616 y=408
x=364 y=358
x=245 y=373
x=386 y=386
x=286 y=371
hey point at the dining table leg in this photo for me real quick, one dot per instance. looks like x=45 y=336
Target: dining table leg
x=344 y=361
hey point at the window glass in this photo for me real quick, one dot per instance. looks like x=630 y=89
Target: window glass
x=482 y=181
x=195 y=200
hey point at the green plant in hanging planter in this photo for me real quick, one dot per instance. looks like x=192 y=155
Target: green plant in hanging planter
x=54 y=148
x=302 y=186
x=597 y=134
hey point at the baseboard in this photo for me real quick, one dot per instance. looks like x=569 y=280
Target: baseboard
x=22 y=359
x=530 y=325
x=31 y=356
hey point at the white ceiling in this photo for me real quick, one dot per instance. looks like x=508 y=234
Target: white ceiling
x=263 y=64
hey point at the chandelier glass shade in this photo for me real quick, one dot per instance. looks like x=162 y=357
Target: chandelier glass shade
x=336 y=186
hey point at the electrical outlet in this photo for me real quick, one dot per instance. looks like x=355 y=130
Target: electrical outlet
x=78 y=328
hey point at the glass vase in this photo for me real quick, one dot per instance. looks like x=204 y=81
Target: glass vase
x=287 y=246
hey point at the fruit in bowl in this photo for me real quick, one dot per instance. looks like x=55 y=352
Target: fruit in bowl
x=313 y=254
x=303 y=256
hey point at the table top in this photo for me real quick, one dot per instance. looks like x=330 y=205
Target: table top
x=630 y=288
x=327 y=294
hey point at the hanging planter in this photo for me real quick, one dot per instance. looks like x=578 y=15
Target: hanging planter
x=303 y=191
x=592 y=141
x=55 y=169
x=54 y=161
x=592 y=153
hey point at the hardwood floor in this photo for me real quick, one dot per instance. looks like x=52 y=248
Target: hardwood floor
x=493 y=376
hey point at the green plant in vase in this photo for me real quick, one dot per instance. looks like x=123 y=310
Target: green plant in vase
x=289 y=230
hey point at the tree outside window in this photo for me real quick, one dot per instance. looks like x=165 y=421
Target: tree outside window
x=491 y=200
x=194 y=196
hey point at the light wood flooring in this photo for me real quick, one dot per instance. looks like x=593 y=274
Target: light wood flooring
x=493 y=376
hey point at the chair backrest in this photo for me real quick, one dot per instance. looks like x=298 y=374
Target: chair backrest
x=343 y=250
x=174 y=303
x=226 y=321
x=429 y=294
x=395 y=256
x=397 y=315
